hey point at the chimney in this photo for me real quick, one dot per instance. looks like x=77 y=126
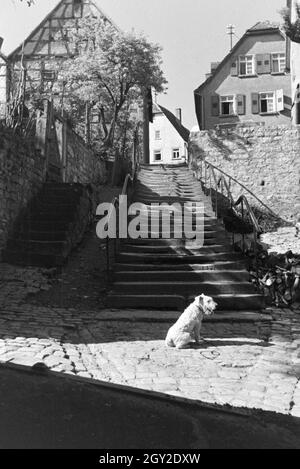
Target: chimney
x=214 y=66
x=179 y=114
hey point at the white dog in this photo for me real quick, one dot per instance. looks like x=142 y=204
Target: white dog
x=188 y=326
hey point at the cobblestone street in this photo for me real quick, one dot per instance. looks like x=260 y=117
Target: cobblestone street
x=126 y=348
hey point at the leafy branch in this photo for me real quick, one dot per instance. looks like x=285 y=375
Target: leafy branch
x=292 y=29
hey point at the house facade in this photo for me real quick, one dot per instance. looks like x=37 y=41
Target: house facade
x=3 y=79
x=251 y=84
x=37 y=61
x=168 y=137
x=295 y=67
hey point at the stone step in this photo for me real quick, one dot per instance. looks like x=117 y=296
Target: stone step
x=48 y=205
x=58 y=199
x=53 y=216
x=171 y=200
x=41 y=235
x=176 y=258
x=27 y=258
x=184 y=287
x=225 y=302
x=44 y=225
x=142 y=267
x=53 y=212
x=208 y=235
x=35 y=246
x=208 y=218
x=178 y=243
x=206 y=249
x=179 y=275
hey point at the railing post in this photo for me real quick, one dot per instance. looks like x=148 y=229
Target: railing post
x=255 y=252
x=107 y=257
x=217 y=199
x=243 y=216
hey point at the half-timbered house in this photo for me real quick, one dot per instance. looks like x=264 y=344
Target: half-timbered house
x=36 y=62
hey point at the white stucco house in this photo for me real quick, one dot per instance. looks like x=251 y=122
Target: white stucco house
x=168 y=138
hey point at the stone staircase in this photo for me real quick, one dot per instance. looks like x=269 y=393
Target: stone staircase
x=50 y=227
x=169 y=273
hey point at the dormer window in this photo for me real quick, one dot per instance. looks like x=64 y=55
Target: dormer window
x=246 y=65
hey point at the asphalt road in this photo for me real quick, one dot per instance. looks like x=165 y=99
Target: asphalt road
x=46 y=410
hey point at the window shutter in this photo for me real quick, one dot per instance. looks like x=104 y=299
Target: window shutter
x=215 y=105
x=241 y=104
x=234 y=69
x=267 y=63
x=260 y=63
x=255 y=103
x=279 y=101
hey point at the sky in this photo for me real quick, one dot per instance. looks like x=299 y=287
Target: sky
x=191 y=32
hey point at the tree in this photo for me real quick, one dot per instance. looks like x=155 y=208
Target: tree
x=292 y=30
x=107 y=74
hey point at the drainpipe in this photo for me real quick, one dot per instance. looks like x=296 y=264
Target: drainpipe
x=146 y=139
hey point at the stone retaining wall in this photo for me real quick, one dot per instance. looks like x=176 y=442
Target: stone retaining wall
x=265 y=159
x=22 y=174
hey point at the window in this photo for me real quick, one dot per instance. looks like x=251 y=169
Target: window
x=78 y=7
x=227 y=105
x=176 y=154
x=278 y=63
x=267 y=103
x=157 y=155
x=246 y=63
x=157 y=135
x=48 y=75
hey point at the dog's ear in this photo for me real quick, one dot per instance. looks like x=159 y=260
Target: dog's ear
x=200 y=300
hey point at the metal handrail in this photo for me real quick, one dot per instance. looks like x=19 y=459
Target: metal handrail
x=129 y=179
x=242 y=186
x=220 y=184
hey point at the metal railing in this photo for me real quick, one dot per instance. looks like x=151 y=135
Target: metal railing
x=218 y=185
x=128 y=182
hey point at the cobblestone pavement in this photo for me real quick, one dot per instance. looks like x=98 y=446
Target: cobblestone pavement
x=115 y=347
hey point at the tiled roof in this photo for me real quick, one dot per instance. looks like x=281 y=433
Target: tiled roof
x=183 y=131
x=263 y=25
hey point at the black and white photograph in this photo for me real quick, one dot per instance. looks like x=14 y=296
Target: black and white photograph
x=149 y=228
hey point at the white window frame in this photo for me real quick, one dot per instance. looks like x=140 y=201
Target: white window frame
x=280 y=57
x=224 y=99
x=177 y=152
x=48 y=75
x=247 y=59
x=157 y=152
x=157 y=135
x=265 y=93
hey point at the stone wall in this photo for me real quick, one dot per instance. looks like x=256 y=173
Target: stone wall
x=264 y=159
x=24 y=170
x=82 y=165
x=22 y=173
